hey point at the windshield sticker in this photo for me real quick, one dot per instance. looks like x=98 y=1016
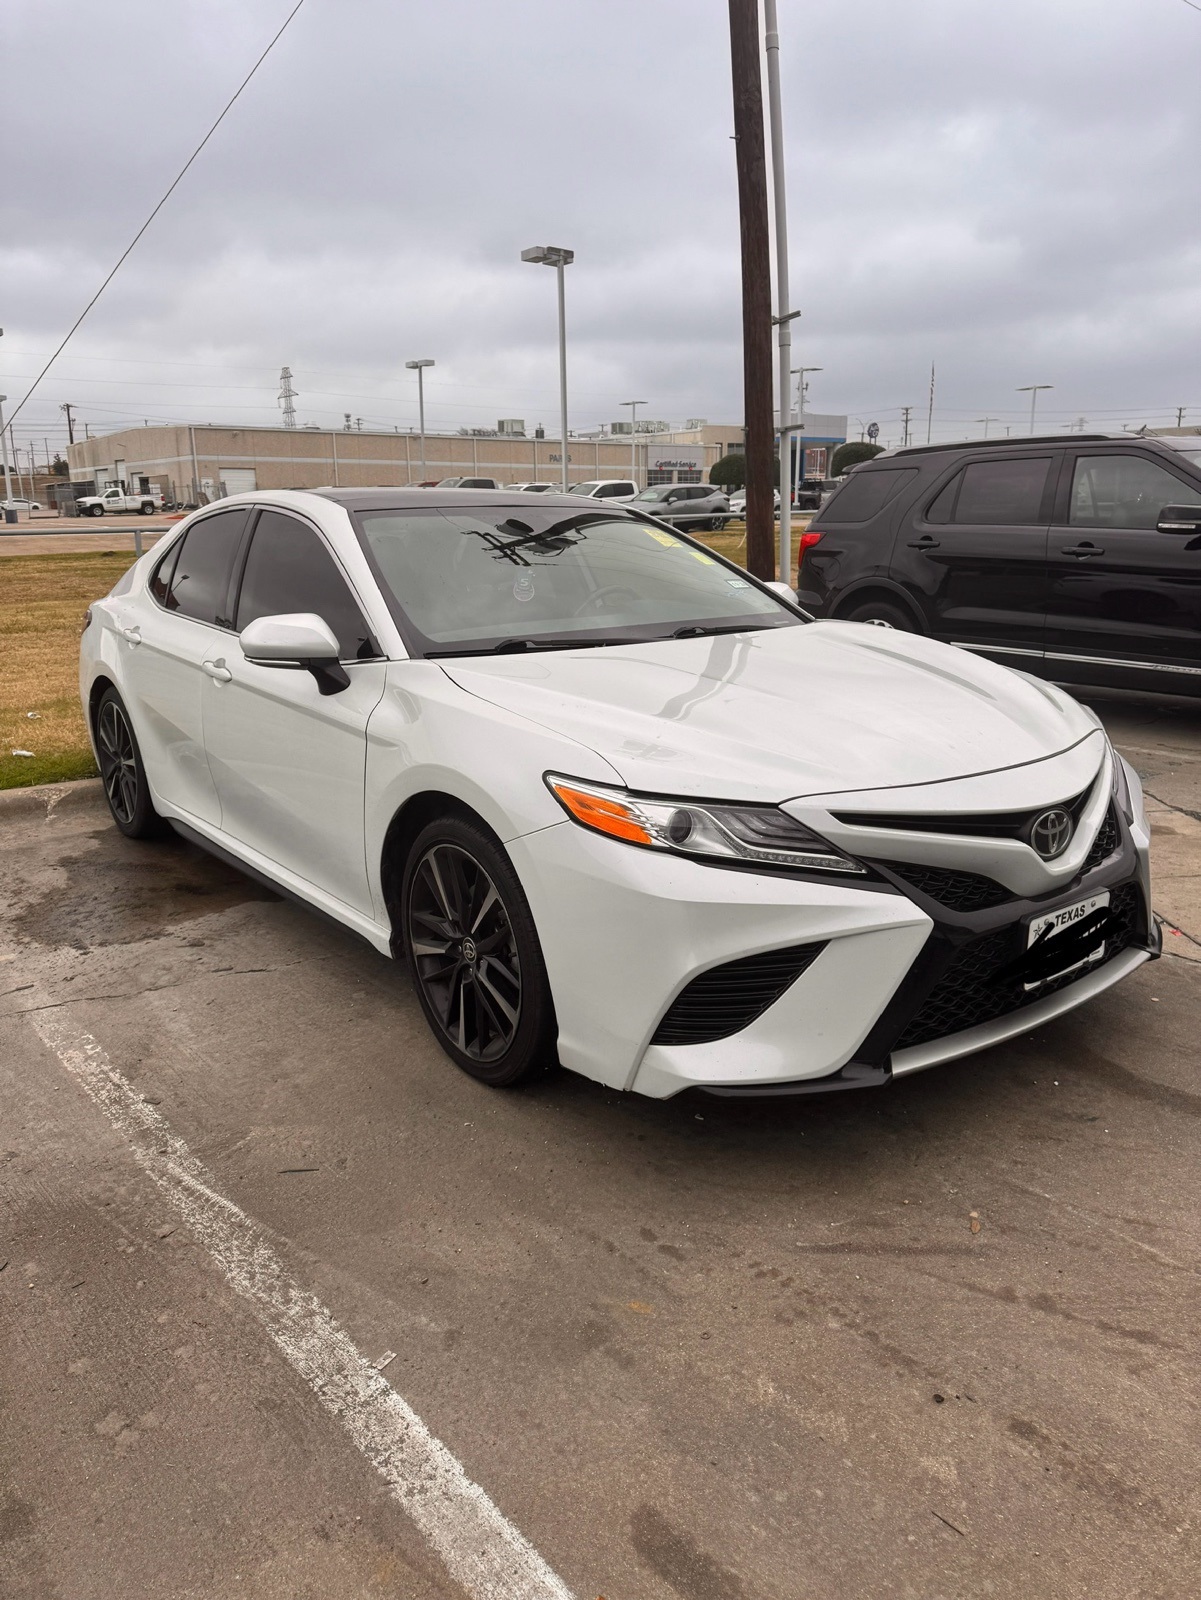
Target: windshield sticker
x=523 y=589
x=663 y=538
x=708 y=560
x=737 y=583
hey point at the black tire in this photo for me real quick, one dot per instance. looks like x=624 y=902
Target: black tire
x=474 y=955
x=95 y=511
x=883 y=614
x=147 y=508
x=122 y=772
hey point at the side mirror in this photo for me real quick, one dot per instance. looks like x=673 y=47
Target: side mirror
x=784 y=590
x=297 y=639
x=1179 y=519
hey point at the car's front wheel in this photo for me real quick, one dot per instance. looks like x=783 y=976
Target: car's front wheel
x=474 y=955
x=122 y=772
x=96 y=511
x=881 y=614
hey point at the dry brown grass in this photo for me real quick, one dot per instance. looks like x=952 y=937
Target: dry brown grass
x=42 y=602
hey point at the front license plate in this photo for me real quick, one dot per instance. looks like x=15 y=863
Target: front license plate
x=1045 y=930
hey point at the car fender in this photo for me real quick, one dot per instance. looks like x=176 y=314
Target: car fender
x=881 y=584
x=427 y=734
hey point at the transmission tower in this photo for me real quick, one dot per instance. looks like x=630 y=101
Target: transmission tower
x=287 y=395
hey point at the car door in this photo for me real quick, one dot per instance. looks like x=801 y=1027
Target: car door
x=165 y=634
x=975 y=553
x=288 y=761
x=1123 y=595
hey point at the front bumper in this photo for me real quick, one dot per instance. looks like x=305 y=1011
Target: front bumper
x=894 y=981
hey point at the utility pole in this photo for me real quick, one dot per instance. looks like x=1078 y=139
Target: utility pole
x=288 y=395
x=986 y=421
x=1180 y=410
x=8 y=484
x=68 y=407
x=930 y=413
x=756 y=284
x=784 y=317
x=905 y=410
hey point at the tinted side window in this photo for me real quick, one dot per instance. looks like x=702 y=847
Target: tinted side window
x=289 y=569
x=200 y=581
x=944 y=502
x=865 y=493
x=1007 y=492
x=1124 y=491
x=160 y=581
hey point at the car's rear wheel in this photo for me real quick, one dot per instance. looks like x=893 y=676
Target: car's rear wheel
x=474 y=955
x=122 y=772
x=147 y=508
x=882 y=614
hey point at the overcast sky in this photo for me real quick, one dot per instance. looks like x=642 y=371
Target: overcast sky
x=1008 y=190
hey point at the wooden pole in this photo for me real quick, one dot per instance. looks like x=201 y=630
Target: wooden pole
x=756 y=287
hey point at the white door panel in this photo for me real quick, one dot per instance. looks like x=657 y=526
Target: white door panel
x=161 y=680
x=289 y=765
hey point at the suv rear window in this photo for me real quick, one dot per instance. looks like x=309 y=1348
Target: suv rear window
x=865 y=493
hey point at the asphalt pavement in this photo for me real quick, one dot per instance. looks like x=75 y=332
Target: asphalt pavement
x=290 y=1307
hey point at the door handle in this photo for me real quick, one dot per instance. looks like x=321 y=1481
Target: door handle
x=134 y=634
x=217 y=669
x=926 y=542
x=1082 y=550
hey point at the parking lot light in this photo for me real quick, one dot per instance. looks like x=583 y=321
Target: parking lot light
x=419 y=368
x=1032 y=390
x=552 y=255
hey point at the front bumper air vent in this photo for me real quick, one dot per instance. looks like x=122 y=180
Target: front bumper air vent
x=727 y=999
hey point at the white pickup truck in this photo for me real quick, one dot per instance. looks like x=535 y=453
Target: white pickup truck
x=145 y=501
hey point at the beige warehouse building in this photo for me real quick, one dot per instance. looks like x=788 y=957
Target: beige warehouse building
x=195 y=462
x=198 y=462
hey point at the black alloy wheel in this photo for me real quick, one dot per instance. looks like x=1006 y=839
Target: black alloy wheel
x=474 y=955
x=122 y=772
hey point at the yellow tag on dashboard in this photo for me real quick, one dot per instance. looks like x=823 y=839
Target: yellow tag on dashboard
x=663 y=538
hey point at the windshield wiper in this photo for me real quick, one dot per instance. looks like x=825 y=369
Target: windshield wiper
x=696 y=630
x=518 y=646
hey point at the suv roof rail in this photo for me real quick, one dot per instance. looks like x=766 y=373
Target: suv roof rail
x=996 y=444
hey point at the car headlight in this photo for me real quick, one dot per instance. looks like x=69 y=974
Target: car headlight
x=725 y=834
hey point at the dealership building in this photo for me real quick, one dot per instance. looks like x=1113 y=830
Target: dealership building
x=198 y=462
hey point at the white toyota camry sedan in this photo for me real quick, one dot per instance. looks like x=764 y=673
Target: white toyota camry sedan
x=616 y=803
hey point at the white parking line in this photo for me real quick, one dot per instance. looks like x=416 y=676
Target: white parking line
x=481 y=1549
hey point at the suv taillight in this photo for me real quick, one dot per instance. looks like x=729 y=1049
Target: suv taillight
x=807 y=540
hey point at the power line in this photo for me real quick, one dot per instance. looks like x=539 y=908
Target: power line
x=178 y=179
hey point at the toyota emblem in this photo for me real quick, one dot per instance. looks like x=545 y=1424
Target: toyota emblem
x=1051 y=833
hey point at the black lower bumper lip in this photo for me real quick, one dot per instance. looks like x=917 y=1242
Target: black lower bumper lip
x=855 y=1075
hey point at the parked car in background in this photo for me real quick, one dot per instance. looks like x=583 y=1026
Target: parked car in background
x=738 y=502
x=1077 y=558
x=686 y=505
x=607 y=489
x=617 y=803
x=467 y=483
x=19 y=503
x=542 y=488
x=812 y=493
x=144 y=501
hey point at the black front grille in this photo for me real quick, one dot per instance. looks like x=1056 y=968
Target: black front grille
x=958 y=891
x=728 y=998
x=1107 y=841
x=980 y=825
x=968 y=992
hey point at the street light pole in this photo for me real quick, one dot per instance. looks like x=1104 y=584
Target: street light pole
x=419 y=368
x=986 y=421
x=550 y=255
x=8 y=487
x=1032 y=390
x=633 y=405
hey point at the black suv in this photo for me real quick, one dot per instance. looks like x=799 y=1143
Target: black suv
x=1078 y=559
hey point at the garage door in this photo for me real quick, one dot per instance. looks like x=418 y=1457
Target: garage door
x=239 y=480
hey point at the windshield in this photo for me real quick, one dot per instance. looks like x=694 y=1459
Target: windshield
x=468 y=582
x=651 y=494
x=585 y=488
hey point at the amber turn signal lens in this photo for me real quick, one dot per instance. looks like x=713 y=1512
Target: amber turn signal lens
x=606 y=816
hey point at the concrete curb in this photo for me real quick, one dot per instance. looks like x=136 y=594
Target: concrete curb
x=50 y=797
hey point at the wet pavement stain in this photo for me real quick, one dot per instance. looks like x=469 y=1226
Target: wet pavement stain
x=131 y=890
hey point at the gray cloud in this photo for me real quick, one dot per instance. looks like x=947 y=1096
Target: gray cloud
x=1009 y=191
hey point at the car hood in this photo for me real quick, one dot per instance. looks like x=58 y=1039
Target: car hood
x=784 y=713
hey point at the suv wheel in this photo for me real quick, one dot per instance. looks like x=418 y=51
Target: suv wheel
x=881 y=614
x=474 y=955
